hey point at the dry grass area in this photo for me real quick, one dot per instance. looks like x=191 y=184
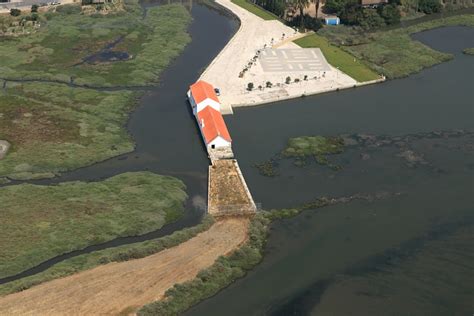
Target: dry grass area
x=226 y=188
x=121 y=288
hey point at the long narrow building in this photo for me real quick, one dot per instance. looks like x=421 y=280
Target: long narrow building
x=206 y=108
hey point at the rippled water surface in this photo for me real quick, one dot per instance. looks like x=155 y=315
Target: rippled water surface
x=410 y=253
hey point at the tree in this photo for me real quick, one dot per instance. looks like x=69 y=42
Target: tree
x=318 y=2
x=390 y=13
x=350 y=13
x=34 y=8
x=335 y=6
x=311 y=23
x=430 y=6
x=301 y=5
x=369 y=19
x=15 y=12
x=288 y=80
x=250 y=86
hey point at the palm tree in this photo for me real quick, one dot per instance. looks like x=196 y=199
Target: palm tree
x=317 y=7
x=301 y=5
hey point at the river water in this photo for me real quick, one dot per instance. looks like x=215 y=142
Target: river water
x=365 y=257
x=410 y=253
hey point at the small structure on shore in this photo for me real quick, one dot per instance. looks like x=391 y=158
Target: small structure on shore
x=332 y=20
x=206 y=108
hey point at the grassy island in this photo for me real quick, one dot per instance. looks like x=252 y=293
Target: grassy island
x=53 y=123
x=41 y=222
x=469 y=51
x=318 y=147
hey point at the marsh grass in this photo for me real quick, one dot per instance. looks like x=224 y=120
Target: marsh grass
x=41 y=222
x=54 y=128
x=117 y=254
x=319 y=147
x=393 y=52
x=469 y=51
x=57 y=51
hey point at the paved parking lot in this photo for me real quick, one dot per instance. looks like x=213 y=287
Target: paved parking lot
x=299 y=59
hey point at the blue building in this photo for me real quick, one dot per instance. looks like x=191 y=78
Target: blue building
x=332 y=20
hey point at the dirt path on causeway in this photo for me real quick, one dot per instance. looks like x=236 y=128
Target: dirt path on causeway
x=123 y=287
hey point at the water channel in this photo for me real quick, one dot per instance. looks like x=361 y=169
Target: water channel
x=362 y=253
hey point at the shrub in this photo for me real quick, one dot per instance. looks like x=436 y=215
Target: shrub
x=334 y=6
x=308 y=22
x=34 y=8
x=390 y=13
x=250 y=86
x=369 y=19
x=288 y=80
x=15 y=12
x=429 y=6
x=268 y=84
x=69 y=9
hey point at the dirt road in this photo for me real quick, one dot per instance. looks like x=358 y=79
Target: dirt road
x=123 y=287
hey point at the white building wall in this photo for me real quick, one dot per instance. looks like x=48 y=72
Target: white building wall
x=208 y=102
x=219 y=142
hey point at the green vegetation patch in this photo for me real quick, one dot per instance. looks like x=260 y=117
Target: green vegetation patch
x=117 y=254
x=41 y=222
x=58 y=51
x=339 y=58
x=258 y=11
x=300 y=149
x=393 y=52
x=54 y=128
x=469 y=51
x=314 y=146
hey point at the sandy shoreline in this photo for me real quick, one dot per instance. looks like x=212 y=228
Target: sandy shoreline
x=256 y=34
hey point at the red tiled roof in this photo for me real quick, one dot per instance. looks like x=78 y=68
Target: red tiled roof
x=214 y=125
x=202 y=90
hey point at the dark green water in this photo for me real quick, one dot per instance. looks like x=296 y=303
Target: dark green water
x=411 y=253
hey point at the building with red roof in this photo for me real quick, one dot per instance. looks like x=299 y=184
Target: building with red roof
x=202 y=94
x=213 y=129
x=206 y=109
